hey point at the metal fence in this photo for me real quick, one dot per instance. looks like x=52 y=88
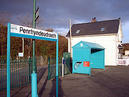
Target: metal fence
x=20 y=72
x=68 y=63
x=52 y=66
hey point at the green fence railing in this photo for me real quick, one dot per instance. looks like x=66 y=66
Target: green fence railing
x=68 y=64
x=20 y=72
x=52 y=66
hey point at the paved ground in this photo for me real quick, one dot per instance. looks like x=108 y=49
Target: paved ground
x=113 y=82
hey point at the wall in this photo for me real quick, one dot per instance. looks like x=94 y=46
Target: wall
x=120 y=34
x=109 y=42
x=126 y=52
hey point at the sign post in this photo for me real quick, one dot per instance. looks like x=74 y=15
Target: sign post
x=8 y=61
x=32 y=33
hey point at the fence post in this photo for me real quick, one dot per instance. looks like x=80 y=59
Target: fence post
x=48 y=68
x=62 y=66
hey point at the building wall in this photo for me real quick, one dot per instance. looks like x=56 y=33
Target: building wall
x=120 y=34
x=109 y=42
x=126 y=52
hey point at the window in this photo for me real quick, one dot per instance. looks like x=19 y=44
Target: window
x=102 y=29
x=77 y=31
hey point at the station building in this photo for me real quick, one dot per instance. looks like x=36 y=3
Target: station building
x=107 y=33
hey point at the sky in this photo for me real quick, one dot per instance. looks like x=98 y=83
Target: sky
x=56 y=13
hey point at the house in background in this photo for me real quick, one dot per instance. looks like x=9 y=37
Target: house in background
x=125 y=50
x=107 y=33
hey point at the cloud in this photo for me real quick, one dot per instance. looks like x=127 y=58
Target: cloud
x=61 y=10
x=56 y=13
x=16 y=7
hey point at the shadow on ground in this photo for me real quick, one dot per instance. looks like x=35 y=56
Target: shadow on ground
x=53 y=89
x=43 y=88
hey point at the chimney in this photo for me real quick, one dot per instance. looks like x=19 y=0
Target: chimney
x=93 y=19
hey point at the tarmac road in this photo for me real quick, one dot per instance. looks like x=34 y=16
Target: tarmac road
x=113 y=82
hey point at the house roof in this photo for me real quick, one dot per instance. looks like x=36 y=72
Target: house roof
x=98 y=27
x=88 y=44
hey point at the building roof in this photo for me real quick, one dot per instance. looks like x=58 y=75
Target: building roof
x=98 y=27
x=88 y=45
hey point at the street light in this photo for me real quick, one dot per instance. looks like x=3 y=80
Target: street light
x=34 y=74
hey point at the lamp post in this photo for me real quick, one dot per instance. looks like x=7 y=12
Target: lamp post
x=34 y=26
x=34 y=74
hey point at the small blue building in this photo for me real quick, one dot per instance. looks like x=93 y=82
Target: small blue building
x=87 y=55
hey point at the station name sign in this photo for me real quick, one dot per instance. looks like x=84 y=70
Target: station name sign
x=17 y=29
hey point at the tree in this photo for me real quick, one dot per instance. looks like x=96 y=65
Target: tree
x=43 y=48
x=50 y=30
x=26 y=20
x=3 y=40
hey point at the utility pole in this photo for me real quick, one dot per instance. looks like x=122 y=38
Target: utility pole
x=70 y=38
x=23 y=46
x=34 y=26
x=34 y=74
